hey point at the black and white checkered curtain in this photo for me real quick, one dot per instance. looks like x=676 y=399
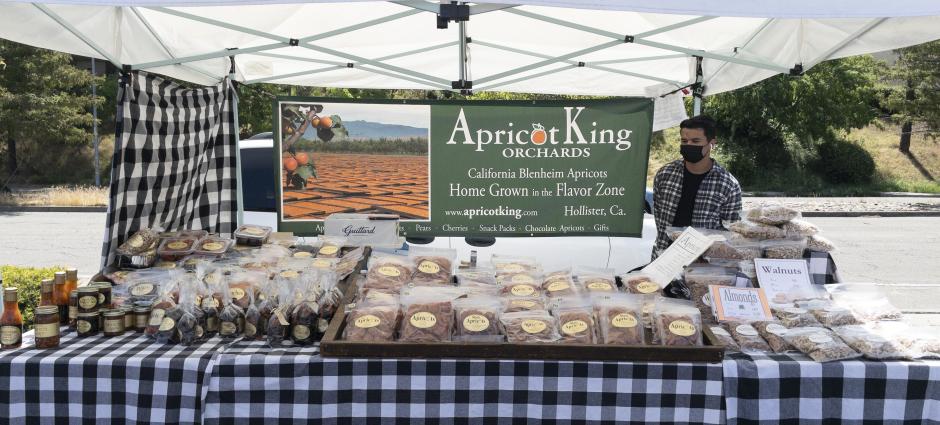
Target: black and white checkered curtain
x=174 y=159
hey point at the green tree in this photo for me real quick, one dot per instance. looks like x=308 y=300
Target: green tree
x=777 y=123
x=914 y=96
x=44 y=102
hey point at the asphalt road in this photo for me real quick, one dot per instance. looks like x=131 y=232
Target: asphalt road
x=901 y=252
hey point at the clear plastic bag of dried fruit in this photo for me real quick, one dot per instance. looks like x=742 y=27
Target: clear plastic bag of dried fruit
x=330 y=298
x=477 y=276
x=277 y=325
x=433 y=266
x=428 y=314
x=576 y=322
x=213 y=298
x=388 y=272
x=374 y=320
x=677 y=323
x=595 y=279
x=330 y=246
x=530 y=326
x=560 y=283
x=620 y=318
x=477 y=317
x=513 y=264
x=521 y=284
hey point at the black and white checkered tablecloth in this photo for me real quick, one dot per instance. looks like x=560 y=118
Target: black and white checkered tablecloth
x=127 y=380
x=298 y=386
x=796 y=390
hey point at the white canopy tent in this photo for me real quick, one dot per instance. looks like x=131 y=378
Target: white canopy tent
x=596 y=47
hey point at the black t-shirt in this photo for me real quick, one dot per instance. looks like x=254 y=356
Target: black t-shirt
x=690 y=185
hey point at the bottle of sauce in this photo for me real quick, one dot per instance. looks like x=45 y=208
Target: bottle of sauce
x=11 y=322
x=47 y=292
x=62 y=297
x=71 y=280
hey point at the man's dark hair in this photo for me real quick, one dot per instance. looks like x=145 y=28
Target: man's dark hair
x=703 y=122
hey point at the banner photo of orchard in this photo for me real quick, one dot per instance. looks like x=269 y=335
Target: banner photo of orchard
x=482 y=168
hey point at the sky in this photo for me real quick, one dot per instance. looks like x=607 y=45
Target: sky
x=410 y=115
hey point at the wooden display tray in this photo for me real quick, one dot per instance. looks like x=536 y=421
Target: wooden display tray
x=332 y=345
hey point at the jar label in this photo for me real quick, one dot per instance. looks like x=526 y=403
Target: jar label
x=250 y=330
x=83 y=326
x=101 y=299
x=178 y=245
x=423 y=320
x=111 y=326
x=574 y=327
x=47 y=330
x=88 y=302
x=558 y=286
x=389 y=271
x=647 y=287
x=10 y=335
x=142 y=289
x=239 y=293
x=476 y=323
x=300 y=332
x=533 y=326
x=522 y=290
x=682 y=328
x=624 y=320
x=367 y=321
x=321 y=263
x=228 y=328
x=600 y=285
x=522 y=278
x=746 y=330
x=327 y=250
x=429 y=267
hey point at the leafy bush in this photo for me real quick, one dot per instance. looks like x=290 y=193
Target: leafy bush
x=841 y=161
x=27 y=280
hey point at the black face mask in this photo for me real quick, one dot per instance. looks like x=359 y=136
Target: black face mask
x=692 y=153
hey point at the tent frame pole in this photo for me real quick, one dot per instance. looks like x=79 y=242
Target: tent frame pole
x=593 y=65
x=645 y=42
x=550 y=61
x=94 y=46
x=640 y=59
x=295 y=74
x=527 y=77
x=698 y=88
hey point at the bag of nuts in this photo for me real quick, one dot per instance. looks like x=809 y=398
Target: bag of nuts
x=794 y=317
x=388 y=272
x=774 y=214
x=871 y=344
x=433 y=266
x=773 y=333
x=725 y=338
x=760 y=231
x=699 y=278
x=620 y=319
x=820 y=344
x=748 y=339
x=785 y=249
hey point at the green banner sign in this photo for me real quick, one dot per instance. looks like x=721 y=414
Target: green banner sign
x=485 y=168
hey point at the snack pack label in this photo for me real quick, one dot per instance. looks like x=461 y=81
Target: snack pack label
x=167 y=324
x=574 y=327
x=558 y=286
x=429 y=267
x=178 y=245
x=329 y=250
x=647 y=287
x=522 y=290
x=599 y=285
x=389 y=271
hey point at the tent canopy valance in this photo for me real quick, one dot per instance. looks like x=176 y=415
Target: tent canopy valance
x=599 y=47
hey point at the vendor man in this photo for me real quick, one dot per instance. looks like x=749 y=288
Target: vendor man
x=694 y=191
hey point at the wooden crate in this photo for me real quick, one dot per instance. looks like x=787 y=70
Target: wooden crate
x=332 y=345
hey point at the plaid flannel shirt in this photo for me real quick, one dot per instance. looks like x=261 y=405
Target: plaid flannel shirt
x=718 y=199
